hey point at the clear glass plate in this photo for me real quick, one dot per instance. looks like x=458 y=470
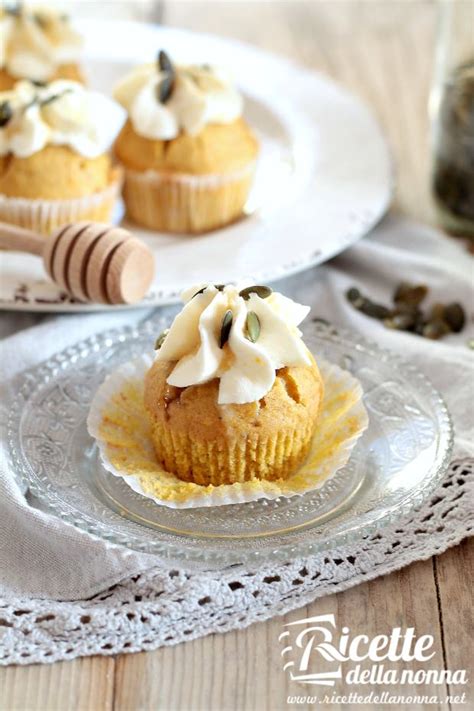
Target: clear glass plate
x=395 y=466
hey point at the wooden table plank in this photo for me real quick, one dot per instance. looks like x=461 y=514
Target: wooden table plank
x=80 y=685
x=454 y=576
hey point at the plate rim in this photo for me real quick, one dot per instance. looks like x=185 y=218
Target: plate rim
x=306 y=261
x=174 y=551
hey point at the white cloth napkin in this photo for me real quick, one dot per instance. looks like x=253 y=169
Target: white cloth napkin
x=43 y=557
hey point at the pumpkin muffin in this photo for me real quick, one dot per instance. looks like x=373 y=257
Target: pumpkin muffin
x=234 y=394
x=37 y=43
x=188 y=154
x=54 y=162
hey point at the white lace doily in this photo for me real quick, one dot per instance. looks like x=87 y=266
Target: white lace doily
x=164 y=607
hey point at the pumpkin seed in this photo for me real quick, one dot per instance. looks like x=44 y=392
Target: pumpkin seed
x=455 y=317
x=321 y=321
x=435 y=330
x=253 y=326
x=164 y=62
x=410 y=293
x=401 y=322
x=161 y=339
x=53 y=97
x=262 y=291
x=437 y=312
x=374 y=310
x=6 y=113
x=164 y=88
x=355 y=297
x=201 y=291
x=225 y=328
x=470 y=344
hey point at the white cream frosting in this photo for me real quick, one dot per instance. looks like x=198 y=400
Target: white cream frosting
x=246 y=370
x=61 y=113
x=35 y=41
x=200 y=95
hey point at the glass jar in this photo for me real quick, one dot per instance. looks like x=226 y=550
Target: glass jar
x=452 y=115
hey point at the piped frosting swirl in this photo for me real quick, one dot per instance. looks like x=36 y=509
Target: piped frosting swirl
x=60 y=113
x=35 y=41
x=162 y=100
x=245 y=362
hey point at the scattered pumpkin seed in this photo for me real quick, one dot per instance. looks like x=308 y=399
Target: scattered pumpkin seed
x=437 y=312
x=470 y=344
x=262 y=291
x=410 y=293
x=161 y=339
x=6 y=113
x=225 y=328
x=374 y=310
x=406 y=315
x=253 y=326
x=455 y=317
x=435 y=329
x=355 y=297
x=320 y=320
x=401 y=321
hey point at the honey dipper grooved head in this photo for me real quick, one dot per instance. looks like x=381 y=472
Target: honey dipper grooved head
x=100 y=263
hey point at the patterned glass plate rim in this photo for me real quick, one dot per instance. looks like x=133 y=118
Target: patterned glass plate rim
x=348 y=519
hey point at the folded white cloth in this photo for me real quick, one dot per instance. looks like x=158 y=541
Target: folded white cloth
x=43 y=557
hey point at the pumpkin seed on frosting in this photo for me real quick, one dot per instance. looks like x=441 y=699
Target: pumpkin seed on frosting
x=252 y=324
x=225 y=328
x=262 y=291
x=161 y=339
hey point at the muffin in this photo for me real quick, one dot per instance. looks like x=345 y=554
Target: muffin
x=234 y=394
x=188 y=154
x=54 y=164
x=37 y=43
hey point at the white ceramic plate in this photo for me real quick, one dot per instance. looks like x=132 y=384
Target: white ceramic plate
x=324 y=176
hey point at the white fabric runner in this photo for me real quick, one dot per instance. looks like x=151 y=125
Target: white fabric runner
x=42 y=557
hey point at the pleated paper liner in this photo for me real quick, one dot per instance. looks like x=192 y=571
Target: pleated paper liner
x=45 y=216
x=119 y=422
x=186 y=203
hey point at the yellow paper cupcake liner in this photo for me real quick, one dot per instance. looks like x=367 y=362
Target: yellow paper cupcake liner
x=45 y=216
x=186 y=203
x=119 y=422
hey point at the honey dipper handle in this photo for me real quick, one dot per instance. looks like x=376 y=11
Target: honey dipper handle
x=20 y=240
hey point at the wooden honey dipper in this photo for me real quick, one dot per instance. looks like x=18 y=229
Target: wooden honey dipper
x=91 y=261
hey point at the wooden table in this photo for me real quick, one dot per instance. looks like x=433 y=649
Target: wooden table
x=383 y=52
